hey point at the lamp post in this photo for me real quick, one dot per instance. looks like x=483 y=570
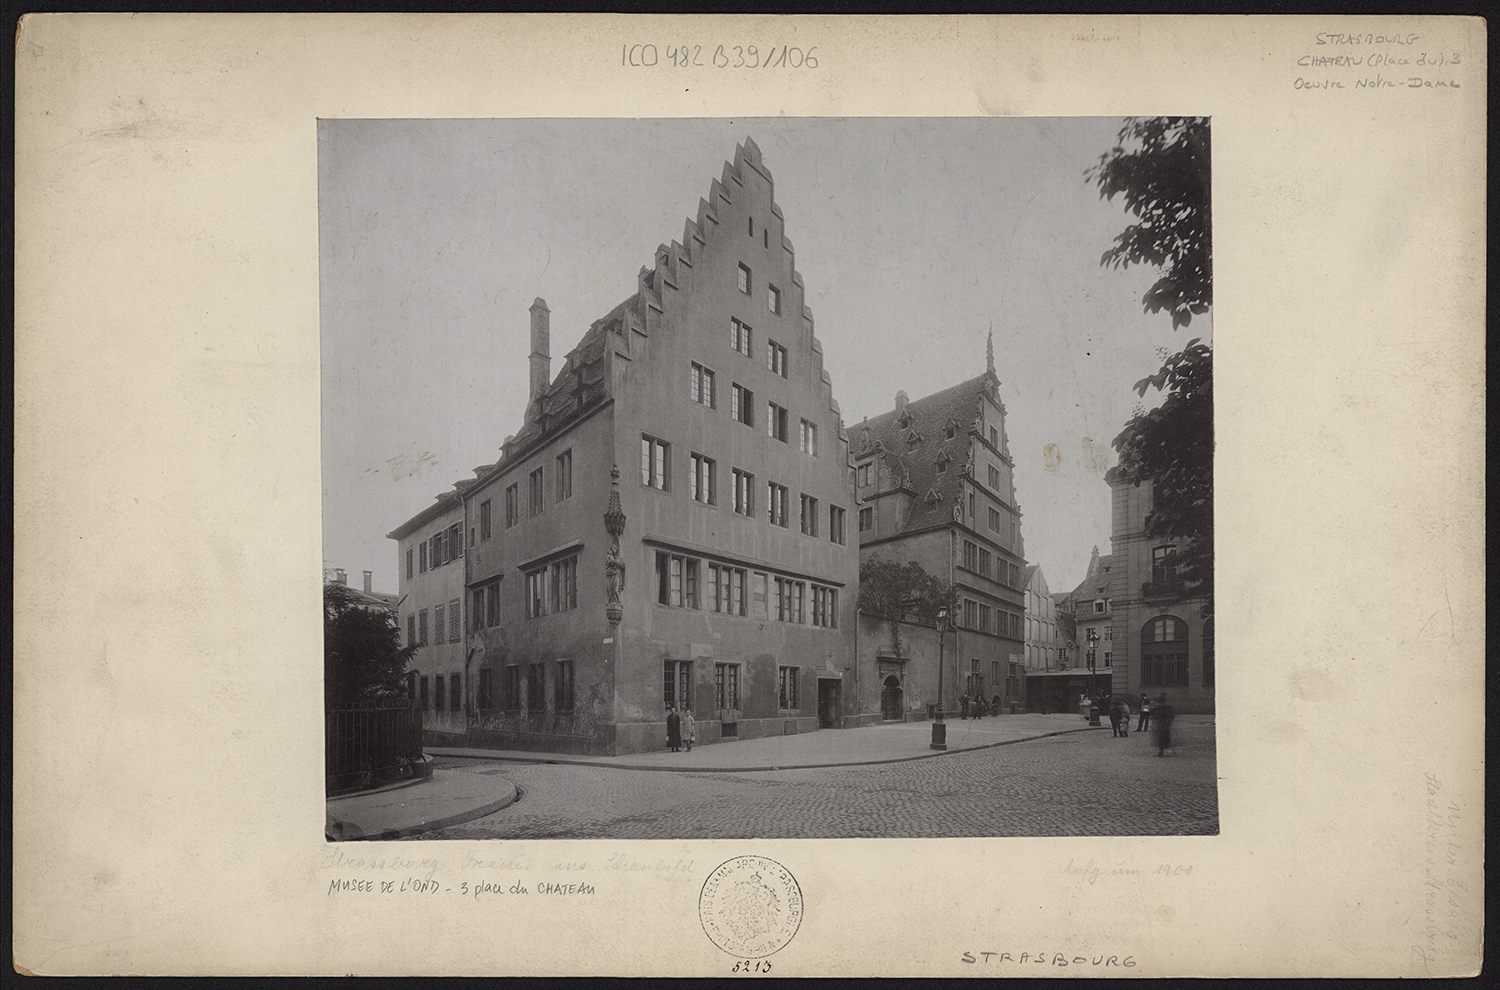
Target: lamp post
x=939 y=727
x=1093 y=637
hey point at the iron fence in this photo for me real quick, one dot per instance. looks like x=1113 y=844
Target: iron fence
x=371 y=743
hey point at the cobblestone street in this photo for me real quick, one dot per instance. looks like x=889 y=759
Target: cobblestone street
x=1082 y=783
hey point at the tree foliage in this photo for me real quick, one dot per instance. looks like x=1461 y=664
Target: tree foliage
x=1160 y=166
x=363 y=659
x=895 y=591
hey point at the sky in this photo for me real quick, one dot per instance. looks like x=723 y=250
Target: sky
x=914 y=238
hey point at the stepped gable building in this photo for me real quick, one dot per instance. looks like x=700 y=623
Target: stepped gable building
x=1163 y=632
x=668 y=526
x=935 y=481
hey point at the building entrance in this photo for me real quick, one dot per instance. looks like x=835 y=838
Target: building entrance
x=828 y=703
x=891 y=704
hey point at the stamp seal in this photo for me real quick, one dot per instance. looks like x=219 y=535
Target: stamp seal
x=750 y=906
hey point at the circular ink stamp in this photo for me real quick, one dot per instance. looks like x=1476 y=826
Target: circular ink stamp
x=750 y=906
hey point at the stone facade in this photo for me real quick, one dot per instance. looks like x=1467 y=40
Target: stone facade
x=429 y=608
x=734 y=581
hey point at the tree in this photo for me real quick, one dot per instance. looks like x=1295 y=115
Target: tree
x=892 y=591
x=363 y=659
x=1160 y=165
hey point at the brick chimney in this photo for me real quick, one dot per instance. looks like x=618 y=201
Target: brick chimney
x=541 y=345
x=369 y=580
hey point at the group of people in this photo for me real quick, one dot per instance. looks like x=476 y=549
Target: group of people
x=1156 y=714
x=977 y=705
x=681 y=729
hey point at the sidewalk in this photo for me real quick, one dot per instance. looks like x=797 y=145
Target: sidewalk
x=448 y=797
x=888 y=743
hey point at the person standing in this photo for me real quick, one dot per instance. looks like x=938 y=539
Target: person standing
x=1145 y=722
x=1161 y=715
x=1124 y=718
x=689 y=729
x=674 y=730
x=963 y=705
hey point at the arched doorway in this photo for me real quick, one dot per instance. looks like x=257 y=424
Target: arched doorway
x=891 y=707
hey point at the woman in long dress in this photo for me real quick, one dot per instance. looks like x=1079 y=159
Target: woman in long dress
x=674 y=730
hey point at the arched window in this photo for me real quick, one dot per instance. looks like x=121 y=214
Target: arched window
x=1208 y=653
x=1164 y=653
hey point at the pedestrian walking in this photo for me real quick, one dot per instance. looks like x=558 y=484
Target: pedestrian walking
x=689 y=729
x=1145 y=722
x=963 y=705
x=1161 y=717
x=1124 y=718
x=674 y=730
x=1114 y=719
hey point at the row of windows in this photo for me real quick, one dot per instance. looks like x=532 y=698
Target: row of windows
x=744 y=281
x=447 y=625
x=552 y=588
x=703 y=486
x=986 y=619
x=442 y=547
x=536 y=493
x=703 y=390
x=442 y=697
x=985 y=564
x=677 y=685
x=736 y=591
x=521 y=688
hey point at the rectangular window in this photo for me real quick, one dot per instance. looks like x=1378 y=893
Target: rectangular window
x=485 y=697
x=701 y=385
x=536 y=687
x=742 y=404
x=484 y=520
x=537 y=488
x=677 y=684
x=422 y=628
x=422 y=556
x=787 y=683
x=986 y=619
x=492 y=604
x=739 y=336
x=994 y=519
x=408 y=562
x=971 y=555
x=411 y=629
x=676 y=580
x=994 y=438
x=744 y=492
x=455 y=620
x=836 y=525
x=511 y=688
x=726 y=589
x=435 y=553
x=776 y=358
x=564 y=475
x=863 y=475
x=791 y=601
x=656 y=463
x=744 y=279
x=866 y=519
x=825 y=606
x=775 y=422
x=455 y=541
x=994 y=478
x=727 y=686
x=476 y=609
x=971 y=614
x=456 y=692
x=985 y=566
x=773 y=298
x=562 y=585
x=809 y=518
x=1164 y=567
x=422 y=692
x=703 y=479
x=808 y=438
x=536 y=593
x=439 y=613
x=776 y=499
x=512 y=506
x=562 y=687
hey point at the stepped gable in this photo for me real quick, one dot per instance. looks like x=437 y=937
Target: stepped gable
x=921 y=436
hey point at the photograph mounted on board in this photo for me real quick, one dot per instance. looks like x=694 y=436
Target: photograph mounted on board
x=647 y=553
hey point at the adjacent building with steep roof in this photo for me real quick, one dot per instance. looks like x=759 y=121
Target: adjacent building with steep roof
x=935 y=482
x=668 y=527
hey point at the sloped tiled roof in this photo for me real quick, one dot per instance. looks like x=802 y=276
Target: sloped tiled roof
x=912 y=444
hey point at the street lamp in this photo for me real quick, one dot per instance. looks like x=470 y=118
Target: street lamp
x=939 y=727
x=1093 y=637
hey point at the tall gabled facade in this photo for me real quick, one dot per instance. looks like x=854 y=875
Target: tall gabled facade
x=717 y=570
x=936 y=486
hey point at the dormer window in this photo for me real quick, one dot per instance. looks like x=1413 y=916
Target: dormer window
x=942 y=465
x=950 y=432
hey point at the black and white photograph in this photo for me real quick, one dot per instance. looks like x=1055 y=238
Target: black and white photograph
x=767 y=478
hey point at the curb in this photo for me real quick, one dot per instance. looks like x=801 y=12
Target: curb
x=417 y=828
x=472 y=755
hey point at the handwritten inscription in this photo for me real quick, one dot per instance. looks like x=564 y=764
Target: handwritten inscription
x=1444 y=896
x=1102 y=961
x=1091 y=871
x=1376 y=62
x=681 y=56
x=464 y=888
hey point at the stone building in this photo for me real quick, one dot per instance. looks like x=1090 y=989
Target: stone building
x=1045 y=648
x=669 y=526
x=430 y=563
x=935 y=482
x=1161 y=629
x=1091 y=610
